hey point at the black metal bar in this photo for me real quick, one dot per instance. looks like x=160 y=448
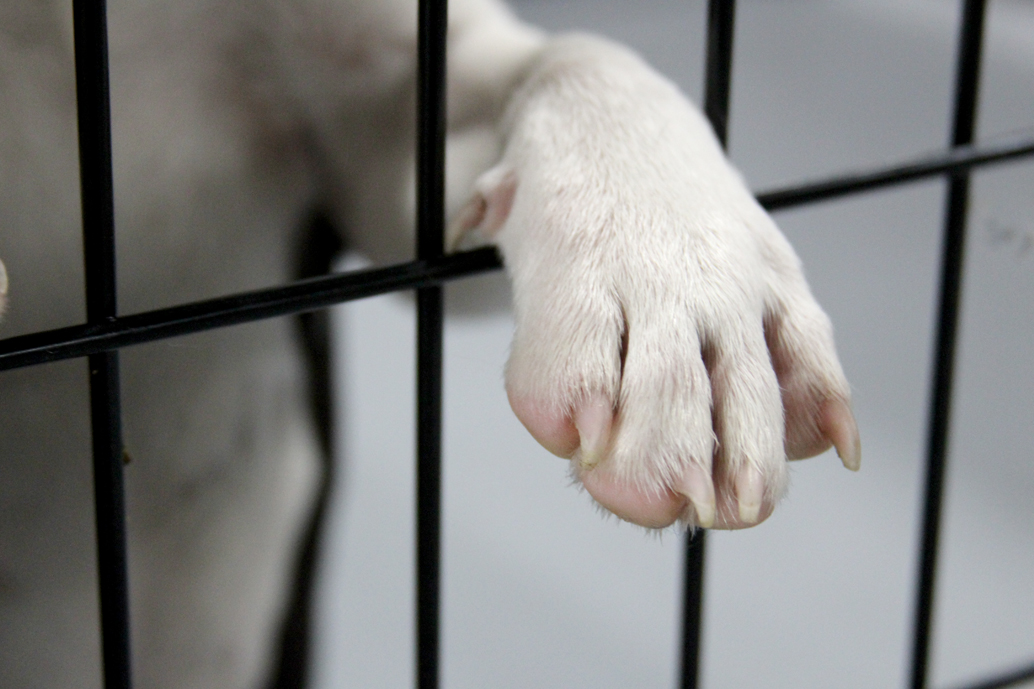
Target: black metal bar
x=110 y=517
x=316 y=293
x=1009 y=679
x=721 y=16
x=966 y=92
x=98 y=208
x=301 y=296
x=954 y=161
x=433 y=23
x=693 y=608
x=428 y=503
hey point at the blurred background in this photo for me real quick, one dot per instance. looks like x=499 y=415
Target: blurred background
x=540 y=590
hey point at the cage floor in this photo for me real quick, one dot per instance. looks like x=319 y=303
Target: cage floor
x=540 y=591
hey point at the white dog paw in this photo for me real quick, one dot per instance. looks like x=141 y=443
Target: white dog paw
x=666 y=340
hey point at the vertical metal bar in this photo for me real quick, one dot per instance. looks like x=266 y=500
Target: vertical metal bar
x=692 y=608
x=721 y=16
x=720 y=28
x=966 y=90
x=91 y=67
x=433 y=22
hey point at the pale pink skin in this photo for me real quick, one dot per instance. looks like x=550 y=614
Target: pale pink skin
x=558 y=434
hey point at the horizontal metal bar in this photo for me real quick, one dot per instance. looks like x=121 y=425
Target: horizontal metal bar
x=1009 y=679
x=298 y=297
x=958 y=159
x=317 y=293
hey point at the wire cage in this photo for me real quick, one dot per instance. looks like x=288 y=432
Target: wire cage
x=105 y=332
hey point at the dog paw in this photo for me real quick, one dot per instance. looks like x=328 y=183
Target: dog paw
x=666 y=341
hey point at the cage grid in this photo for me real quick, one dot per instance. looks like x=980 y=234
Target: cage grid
x=105 y=332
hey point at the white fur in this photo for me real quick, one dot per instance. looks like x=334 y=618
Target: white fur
x=628 y=229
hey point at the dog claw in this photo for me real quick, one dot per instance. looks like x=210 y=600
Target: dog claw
x=697 y=486
x=750 y=490
x=593 y=422
x=838 y=424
